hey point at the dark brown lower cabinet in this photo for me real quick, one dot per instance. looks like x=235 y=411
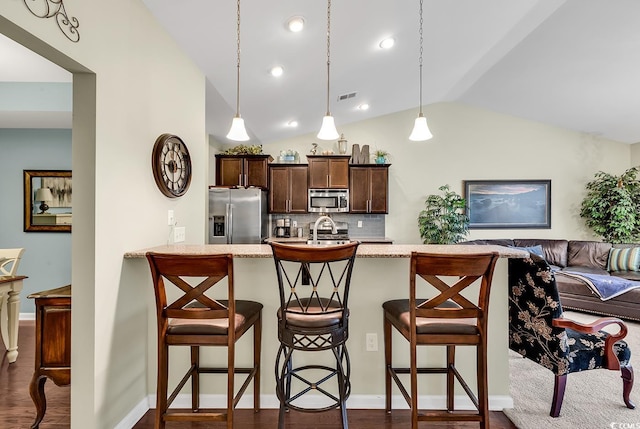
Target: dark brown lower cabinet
x=53 y=345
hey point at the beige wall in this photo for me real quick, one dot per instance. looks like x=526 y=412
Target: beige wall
x=475 y=144
x=136 y=85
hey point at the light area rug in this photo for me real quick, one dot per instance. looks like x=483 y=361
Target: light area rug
x=592 y=399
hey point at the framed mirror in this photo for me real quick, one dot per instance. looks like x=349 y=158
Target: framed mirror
x=47 y=200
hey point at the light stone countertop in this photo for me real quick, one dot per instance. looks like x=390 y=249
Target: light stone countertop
x=365 y=250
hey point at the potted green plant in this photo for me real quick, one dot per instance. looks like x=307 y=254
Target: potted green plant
x=380 y=156
x=444 y=219
x=611 y=206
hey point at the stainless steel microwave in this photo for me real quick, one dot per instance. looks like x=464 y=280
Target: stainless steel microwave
x=328 y=201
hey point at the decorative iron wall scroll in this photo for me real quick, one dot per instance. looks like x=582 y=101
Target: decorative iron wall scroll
x=55 y=9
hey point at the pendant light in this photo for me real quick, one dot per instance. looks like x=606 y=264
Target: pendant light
x=328 y=130
x=238 y=131
x=420 y=128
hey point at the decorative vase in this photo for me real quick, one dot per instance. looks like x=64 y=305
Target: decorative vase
x=380 y=160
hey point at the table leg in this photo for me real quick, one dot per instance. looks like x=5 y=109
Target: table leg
x=36 y=390
x=13 y=313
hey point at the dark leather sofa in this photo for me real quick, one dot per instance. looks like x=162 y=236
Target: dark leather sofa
x=587 y=257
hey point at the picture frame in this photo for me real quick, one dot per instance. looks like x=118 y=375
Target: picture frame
x=508 y=204
x=57 y=217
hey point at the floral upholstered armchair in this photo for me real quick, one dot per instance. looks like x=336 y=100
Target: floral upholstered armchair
x=538 y=331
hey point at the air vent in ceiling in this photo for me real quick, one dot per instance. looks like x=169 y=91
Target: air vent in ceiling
x=346 y=96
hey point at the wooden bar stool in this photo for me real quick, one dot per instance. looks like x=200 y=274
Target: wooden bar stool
x=313 y=316
x=447 y=319
x=195 y=319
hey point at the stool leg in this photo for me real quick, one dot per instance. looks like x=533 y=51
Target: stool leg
x=387 y=365
x=451 y=362
x=283 y=380
x=195 y=378
x=257 y=340
x=414 y=383
x=231 y=370
x=483 y=399
x=163 y=373
x=341 y=354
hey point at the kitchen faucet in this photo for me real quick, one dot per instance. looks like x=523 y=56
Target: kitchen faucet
x=334 y=229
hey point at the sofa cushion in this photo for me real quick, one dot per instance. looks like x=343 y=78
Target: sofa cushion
x=624 y=259
x=507 y=242
x=555 y=251
x=588 y=254
x=585 y=269
x=536 y=250
x=629 y=275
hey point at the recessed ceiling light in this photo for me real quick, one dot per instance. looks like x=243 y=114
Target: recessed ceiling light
x=276 y=71
x=292 y=124
x=295 y=24
x=363 y=106
x=387 y=43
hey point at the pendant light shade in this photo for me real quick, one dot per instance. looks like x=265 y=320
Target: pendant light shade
x=421 y=130
x=238 y=131
x=328 y=130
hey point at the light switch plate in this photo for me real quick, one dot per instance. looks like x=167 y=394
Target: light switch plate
x=170 y=218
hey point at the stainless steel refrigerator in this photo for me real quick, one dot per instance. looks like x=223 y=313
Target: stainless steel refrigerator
x=238 y=216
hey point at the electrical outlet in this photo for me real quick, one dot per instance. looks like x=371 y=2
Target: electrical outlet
x=359 y=224
x=372 y=342
x=179 y=234
x=170 y=218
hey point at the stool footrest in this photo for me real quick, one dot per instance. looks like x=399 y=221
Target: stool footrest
x=195 y=416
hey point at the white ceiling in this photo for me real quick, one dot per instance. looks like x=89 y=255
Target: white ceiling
x=571 y=63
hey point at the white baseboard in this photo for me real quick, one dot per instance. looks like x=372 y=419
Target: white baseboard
x=135 y=414
x=27 y=316
x=270 y=401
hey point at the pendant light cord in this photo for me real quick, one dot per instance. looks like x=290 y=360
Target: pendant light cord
x=420 y=60
x=238 y=62
x=328 y=51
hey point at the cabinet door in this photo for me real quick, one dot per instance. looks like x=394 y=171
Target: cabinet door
x=55 y=336
x=299 y=189
x=278 y=189
x=318 y=173
x=255 y=171
x=229 y=171
x=379 y=186
x=359 y=190
x=328 y=172
x=339 y=173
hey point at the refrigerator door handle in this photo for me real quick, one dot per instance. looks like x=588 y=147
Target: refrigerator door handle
x=229 y=223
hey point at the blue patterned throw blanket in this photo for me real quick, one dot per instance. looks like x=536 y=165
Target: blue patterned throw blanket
x=605 y=286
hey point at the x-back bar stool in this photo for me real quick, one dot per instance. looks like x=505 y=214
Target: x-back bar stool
x=313 y=316
x=196 y=318
x=447 y=319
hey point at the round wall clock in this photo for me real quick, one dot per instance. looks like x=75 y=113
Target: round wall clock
x=171 y=165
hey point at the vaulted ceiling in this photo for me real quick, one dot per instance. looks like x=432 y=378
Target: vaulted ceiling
x=570 y=63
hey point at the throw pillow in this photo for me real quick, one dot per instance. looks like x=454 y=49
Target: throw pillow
x=624 y=259
x=536 y=250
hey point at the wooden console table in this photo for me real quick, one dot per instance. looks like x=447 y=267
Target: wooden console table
x=11 y=285
x=53 y=344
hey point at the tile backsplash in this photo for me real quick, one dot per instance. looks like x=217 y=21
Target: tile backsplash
x=373 y=225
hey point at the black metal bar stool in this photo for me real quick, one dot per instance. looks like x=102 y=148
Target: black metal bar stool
x=313 y=316
x=446 y=319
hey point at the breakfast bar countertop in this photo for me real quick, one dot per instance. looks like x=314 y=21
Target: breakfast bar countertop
x=365 y=250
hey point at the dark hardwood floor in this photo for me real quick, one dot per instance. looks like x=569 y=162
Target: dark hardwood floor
x=17 y=410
